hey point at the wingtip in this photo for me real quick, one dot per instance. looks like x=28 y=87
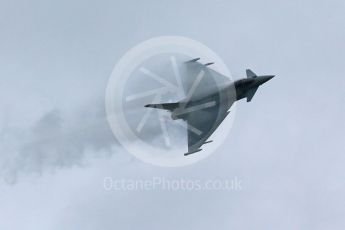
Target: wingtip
x=150 y=106
x=193 y=60
x=189 y=153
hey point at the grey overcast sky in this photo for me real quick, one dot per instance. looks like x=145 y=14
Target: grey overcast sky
x=286 y=145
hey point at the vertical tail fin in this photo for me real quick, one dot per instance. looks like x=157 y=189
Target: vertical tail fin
x=250 y=74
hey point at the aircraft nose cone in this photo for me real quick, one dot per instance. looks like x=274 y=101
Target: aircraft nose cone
x=266 y=78
x=270 y=77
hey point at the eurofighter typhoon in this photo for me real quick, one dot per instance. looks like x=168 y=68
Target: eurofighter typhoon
x=209 y=96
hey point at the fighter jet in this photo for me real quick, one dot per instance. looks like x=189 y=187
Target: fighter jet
x=209 y=96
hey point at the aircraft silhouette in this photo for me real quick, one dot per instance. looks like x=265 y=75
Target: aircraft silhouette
x=208 y=100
